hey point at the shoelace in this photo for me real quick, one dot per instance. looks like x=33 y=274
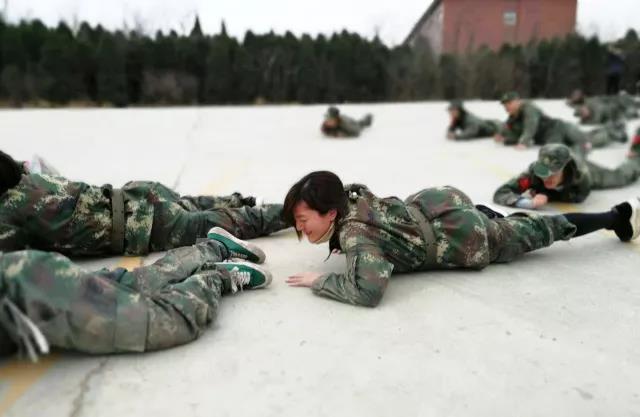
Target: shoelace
x=22 y=330
x=239 y=279
x=238 y=255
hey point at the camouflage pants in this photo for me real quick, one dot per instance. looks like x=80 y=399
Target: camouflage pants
x=572 y=136
x=603 y=178
x=174 y=227
x=189 y=203
x=159 y=219
x=611 y=132
x=467 y=238
x=208 y=202
x=366 y=121
x=166 y=304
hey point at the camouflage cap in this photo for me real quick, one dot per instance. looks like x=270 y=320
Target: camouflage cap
x=333 y=111
x=509 y=96
x=455 y=104
x=551 y=160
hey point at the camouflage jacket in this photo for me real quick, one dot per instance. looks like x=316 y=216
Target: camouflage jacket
x=469 y=126
x=530 y=126
x=347 y=127
x=74 y=218
x=575 y=189
x=380 y=236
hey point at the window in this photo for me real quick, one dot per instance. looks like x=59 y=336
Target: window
x=510 y=18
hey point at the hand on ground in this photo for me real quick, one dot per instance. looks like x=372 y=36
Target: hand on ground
x=540 y=200
x=303 y=279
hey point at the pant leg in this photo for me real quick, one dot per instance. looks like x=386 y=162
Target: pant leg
x=603 y=178
x=174 y=227
x=467 y=238
x=174 y=266
x=366 y=121
x=613 y=84
x=512 y=236
x=555 y=134
x=607 y=134
x=116 y=311
x=575 y=138
x=209 y=202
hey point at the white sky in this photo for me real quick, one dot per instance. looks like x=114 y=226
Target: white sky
x=392 y=20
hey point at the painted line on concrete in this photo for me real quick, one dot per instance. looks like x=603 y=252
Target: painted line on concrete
x=17 y=376
x=565 y=207
x=131 y=262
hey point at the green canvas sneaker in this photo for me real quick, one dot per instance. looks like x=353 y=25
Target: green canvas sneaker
x=237 y=247
x=246 y=275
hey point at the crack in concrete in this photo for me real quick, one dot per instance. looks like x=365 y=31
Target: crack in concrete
x=190 y=143
x=78 y=401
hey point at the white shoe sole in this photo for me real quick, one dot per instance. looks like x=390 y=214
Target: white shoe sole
x=230 y=240
x=494 y=208
x=635 y=217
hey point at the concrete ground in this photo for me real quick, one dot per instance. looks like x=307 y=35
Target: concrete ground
x=553 y=334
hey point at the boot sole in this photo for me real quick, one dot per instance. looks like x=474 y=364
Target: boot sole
x=237 y=246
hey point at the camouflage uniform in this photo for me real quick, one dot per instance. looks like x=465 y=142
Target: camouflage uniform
x=621 y=105
x=437 y=228
x=531 y=126
x=627 y=104
x=600 y=112
x=166 y=304
x=55 y=214
x=580 y=177
x=347 y=126
x=469 y=126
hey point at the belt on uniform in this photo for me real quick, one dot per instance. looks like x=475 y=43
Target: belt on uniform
x=427 y=234
x=117 y=218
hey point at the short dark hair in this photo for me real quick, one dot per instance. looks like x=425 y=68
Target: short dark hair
x=10 y=172
x=321 y=190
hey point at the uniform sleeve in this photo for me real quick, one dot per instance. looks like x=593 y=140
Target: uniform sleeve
x=11 y=238
x=470 y=131
x=510 y=192
x=364 y=281
x=531 y=122
x=510 y=135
